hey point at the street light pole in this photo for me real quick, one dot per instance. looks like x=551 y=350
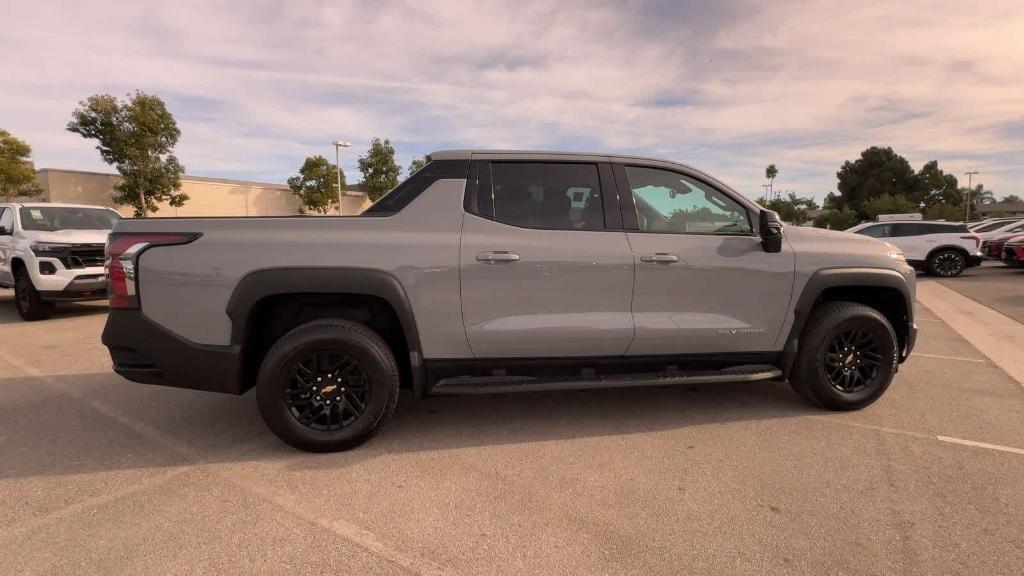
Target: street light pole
x=969 y=175
x=338 y=145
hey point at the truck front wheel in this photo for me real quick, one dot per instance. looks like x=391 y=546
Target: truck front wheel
x=30 y=305
x=327 y=385
x=847 y=356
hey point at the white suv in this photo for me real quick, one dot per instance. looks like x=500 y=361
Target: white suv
x=53 y=253
x=940 y=248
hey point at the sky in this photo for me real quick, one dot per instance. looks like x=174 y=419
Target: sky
x=727 y=86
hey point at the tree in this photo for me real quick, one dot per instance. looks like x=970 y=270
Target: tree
x=937 y=187
x=949 y=212
x=17 y=178
x=770 y=173
x=887 y=204
x=316 y=185
x=136 y=136
x=380 y=172
x=416 y=164
x=878 y=171
x=791 y=208
x=836 y=219
x=1012 y=199
x=979 y=195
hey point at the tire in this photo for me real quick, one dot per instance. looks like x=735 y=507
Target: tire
x=947 y=263
x=288 y=390
x=27 y=300
x=830 y=374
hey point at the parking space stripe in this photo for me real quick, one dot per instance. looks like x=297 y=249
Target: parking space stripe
x=982 y=360
x=981 y=445
x=947 y=439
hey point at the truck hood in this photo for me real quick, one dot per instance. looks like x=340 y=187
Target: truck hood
x=841 y=242
x=68 y=236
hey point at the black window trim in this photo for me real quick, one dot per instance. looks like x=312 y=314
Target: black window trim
x=481 y=177
x=422 y=179
x=632 y=224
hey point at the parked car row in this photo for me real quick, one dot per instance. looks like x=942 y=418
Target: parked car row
x=1002 y=240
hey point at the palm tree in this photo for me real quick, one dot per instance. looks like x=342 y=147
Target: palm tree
x=979 y=195
x=770 y=173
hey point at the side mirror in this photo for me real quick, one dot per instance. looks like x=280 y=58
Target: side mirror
x=4 y=231
x=770 y=228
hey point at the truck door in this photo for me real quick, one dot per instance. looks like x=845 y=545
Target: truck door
x=6 y=241
x=542 y=272
x=704 y=284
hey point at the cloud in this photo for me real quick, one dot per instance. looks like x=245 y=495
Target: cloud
x=726 y=86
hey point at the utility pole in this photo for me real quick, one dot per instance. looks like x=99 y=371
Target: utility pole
x=766 y=187
x=969 y=175
x=338 y=145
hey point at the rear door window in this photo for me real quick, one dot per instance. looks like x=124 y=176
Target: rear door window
x=545 y=195
x=877 y=231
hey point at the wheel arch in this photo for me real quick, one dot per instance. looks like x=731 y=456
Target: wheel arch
x=365 y=295
x=882 y=289
x=956 y=247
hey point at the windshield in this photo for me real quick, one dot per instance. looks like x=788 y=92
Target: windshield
x=54 y=218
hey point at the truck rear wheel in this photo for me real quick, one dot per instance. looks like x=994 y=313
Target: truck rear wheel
x=327 y=385
x=30 y=305
x=847 y=357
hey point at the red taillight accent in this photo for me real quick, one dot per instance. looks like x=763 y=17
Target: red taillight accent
x=975 y=237
x=123 y=250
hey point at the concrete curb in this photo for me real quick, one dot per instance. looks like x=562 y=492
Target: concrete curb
x=995 y=335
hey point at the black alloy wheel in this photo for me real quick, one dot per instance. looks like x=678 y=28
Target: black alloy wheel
x=327 y=385
x=852 y=361
x=948 y=263
x=846 y=358
x=327 y=391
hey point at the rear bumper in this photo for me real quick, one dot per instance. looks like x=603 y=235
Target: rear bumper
x=975 y=260
x=144 y=352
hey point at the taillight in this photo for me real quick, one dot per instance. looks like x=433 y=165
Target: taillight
x=975 y=237
x=123 y=250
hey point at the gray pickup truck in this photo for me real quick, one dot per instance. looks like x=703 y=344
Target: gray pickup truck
x=499 y=271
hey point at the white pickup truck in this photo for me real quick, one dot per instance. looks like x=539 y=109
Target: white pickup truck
x=53 y=253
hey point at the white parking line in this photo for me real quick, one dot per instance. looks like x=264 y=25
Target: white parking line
x=982 y=360
x=981 y=445
x=948 y=439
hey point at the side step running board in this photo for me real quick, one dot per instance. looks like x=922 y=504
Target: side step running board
x=506 y=384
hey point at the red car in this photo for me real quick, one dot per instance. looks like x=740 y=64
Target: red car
x=993 y=248
x=1013 y=251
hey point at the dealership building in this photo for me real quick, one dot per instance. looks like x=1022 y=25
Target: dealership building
x=207 y=196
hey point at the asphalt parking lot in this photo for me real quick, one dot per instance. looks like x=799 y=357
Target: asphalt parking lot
x=99 y=476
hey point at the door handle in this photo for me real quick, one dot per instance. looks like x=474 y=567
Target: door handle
x=660 y=258
x=498 y=256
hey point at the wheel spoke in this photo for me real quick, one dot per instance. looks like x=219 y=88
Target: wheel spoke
x=333 y=411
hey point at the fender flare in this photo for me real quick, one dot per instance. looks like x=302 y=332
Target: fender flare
x=956 y=247
x=260 y=284
x=822 y=280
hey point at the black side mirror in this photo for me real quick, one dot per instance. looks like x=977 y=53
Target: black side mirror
x=770 y=228
x=4 y=231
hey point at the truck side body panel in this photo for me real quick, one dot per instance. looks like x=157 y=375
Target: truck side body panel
x=186 y=289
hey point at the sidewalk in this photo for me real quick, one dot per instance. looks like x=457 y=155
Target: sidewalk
x=997 y=336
